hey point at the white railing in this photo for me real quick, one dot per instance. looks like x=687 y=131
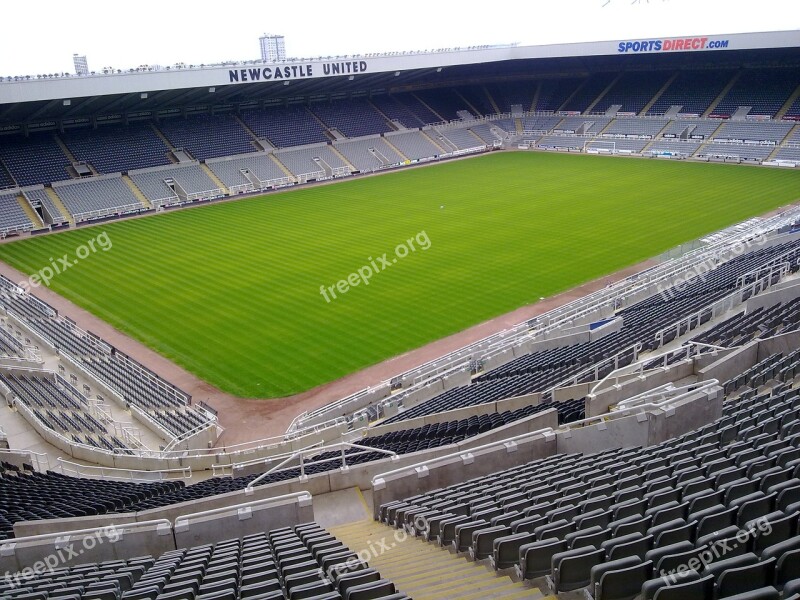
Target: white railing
x=114 y=474
x=305 y=177
x=302 y=498
x=104 y=212
x=301 y=454
x=594 y=369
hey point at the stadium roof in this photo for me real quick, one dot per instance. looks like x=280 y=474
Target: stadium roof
x=137 y=93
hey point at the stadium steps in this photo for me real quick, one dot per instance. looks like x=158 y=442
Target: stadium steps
x=217 y=181
x=433 y=141
x=722 y=94
x=137 y=192
x=574 y=93
x=35 y=218
x=495 y=108
x=603 y=93
x=395 y=148
x=536 y=95
x=778 y=146
x=67 y=152
x=59 y=205
x=658 y=94
x=603 y=130
x=518 y=126
x=386 y=118
x=469 y=104
x=426 y=105
x=324 y=125
x=342 y=157
x=788 y=104
x=244 y=126
x=282 y=166
x=424 y=571
x=656 y=137
x=709 y=139
x=164 y=139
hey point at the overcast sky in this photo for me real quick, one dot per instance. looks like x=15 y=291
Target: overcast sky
x=40 y=37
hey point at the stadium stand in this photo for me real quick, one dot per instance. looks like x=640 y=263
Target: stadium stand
x=63 y=409
x=693 y=91
x=29 y=495
x=752 y=132
x=459 y=138
x=553 y=93
x=260 y=166
x=540 y=124
x=414 y=145
x=369 y=154
x=35 y=159
x=117 y=148
x=636 y=127
x=675 y=147
x=38 y=197
x=477 y=99
x=514 y=93
x=207 y=136
x=791 y=148
x=285 y=126
x=571 y=142
x=311 y=160
x=765 y=90
x=353 y=118
x=12 y=217
x=736 y=152
x=416 y=107
x=685 y=129
x=445 y=103
x=302 y=561
x=395 y=111
x=582 y=125
x=632 y=91
x=193 y=182
x=97 y=196
x=6 y=180
x=751 y=325
x=589 y=91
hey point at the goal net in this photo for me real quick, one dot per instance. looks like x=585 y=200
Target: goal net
x=600 y=147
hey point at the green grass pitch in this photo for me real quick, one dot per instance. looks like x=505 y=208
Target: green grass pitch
x=232 y=291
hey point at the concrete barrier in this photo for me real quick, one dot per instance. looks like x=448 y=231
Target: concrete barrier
x=239 y=520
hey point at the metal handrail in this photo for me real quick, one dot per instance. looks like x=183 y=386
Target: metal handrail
x=81 y=470
x=301 y=453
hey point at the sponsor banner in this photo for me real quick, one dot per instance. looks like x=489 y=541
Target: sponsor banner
x=688 y=44
x=300 y=71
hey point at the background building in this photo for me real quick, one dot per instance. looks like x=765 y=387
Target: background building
x=273 y=48
x=81 y=66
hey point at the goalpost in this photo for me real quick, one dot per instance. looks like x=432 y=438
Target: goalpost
x=600 y=147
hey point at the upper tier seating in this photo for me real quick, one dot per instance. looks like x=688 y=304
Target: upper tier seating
x=633 y=91
x=34 y=159
x=285 y=126
x=97 y=195
x=791 y=153
x=508 y=94
x=207 y=136
x=477 y=99
x=692 y=127
x=394 y=110
x=694 y=91
x=12 y=217
x=353 y=118
x=6 y=180
x=540 y=123
x=589 y=91
x=117 y=148
x=553 y=93
x=765 y=90
x=444 y=102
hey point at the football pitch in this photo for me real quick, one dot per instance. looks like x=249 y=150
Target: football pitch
x=274 y=295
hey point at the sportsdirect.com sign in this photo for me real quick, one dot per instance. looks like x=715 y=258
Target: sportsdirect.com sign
x=673 y=45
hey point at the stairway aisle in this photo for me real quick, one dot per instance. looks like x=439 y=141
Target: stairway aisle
x=424 y=571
